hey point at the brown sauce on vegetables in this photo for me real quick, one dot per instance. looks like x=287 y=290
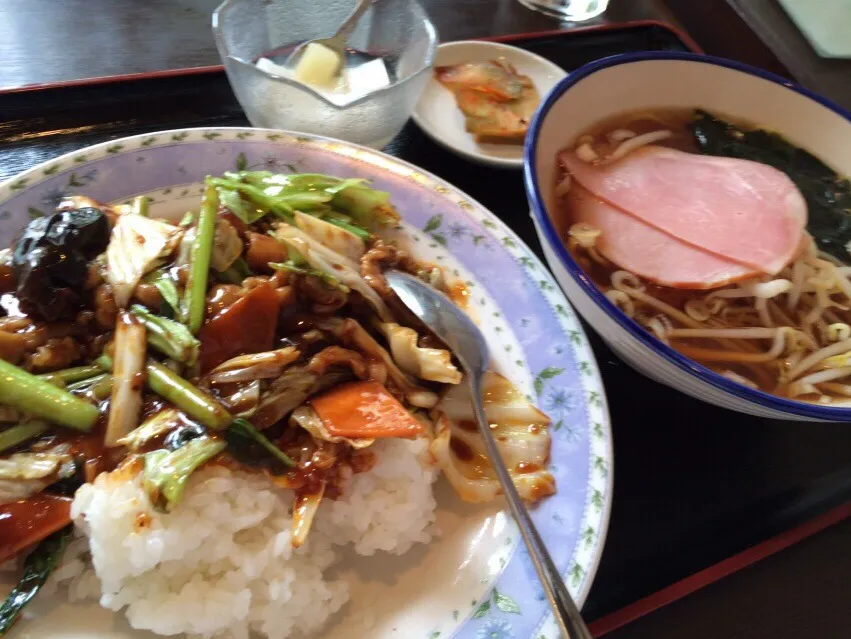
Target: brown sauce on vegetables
x=25 y=522
x=461 y=449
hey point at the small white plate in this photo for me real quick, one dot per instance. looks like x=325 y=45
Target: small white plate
x=439 y=116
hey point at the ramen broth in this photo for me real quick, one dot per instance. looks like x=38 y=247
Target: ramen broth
x=768 y=356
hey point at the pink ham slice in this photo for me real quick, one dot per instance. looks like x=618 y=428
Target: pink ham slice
x=648 y=252
x=744 y=211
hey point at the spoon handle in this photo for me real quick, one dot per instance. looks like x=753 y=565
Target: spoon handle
x=566 y=613
x=349 y=23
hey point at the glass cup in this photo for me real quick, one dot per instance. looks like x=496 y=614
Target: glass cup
x=569 y=10
x=398 y=31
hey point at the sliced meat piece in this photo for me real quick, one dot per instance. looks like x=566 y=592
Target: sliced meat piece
x=648 y=252
x=744 y=211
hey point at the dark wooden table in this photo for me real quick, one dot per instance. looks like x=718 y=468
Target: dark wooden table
x=693 y=486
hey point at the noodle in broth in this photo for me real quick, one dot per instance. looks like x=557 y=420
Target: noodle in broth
x=787 y=334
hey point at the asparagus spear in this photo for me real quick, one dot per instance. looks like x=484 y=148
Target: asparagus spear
x=192 y=308
x=20 y=433
x=38 y=396
x=74 y=374
x=167 y=336
x=191 y=400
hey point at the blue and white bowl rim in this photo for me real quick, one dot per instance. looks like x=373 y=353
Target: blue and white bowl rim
x=791 y=407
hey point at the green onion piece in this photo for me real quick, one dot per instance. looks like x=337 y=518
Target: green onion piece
x=166 y=473
x=39 y=397
x=20 y=433
x=170 y=338
x=192 y=310
x=244 y=428
x=293 y=267
x=166 y=286
x=140 y=205
x=261 y=199
x=37 y=568
x=75 y=374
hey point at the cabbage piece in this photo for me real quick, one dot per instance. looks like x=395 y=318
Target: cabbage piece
x=433 y=364
x=521 y=434
x=23 y=475
x=135 y=247
x=254 y=366
x=334 y=237
x=307 y=418
x=304 y=510
x=334 y=264
x=227 y=246
x=162 y=422
x=351 y=333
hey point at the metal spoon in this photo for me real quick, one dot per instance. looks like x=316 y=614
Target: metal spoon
x=461 y=335
x=336 y=42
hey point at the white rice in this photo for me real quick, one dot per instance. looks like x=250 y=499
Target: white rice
x=221 y=565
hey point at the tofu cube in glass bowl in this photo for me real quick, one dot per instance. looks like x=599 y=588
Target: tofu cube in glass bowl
x=389 y=57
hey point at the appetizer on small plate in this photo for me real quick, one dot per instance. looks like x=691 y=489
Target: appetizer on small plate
x=482 y=97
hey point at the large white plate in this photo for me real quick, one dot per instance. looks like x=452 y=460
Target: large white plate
x=475 y=581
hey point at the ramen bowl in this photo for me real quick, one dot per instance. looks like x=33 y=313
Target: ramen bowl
x=634 y=82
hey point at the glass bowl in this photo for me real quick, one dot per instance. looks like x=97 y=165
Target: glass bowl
x=397 y=30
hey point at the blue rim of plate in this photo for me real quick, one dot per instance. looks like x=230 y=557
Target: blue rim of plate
x=788 y=406
x=562 y=371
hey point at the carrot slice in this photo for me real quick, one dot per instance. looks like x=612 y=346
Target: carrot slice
x=26 y=522
x=246 y=326
x=364 y=410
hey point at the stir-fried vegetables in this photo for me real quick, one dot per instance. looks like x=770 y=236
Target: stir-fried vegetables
x=166 y=286
x=155 y=426
x=336 y=237
x=351 y=332
x=306 y=418
x=37 y=396
x=364 y=410
x=190 y=399
x=259 y=332
x=192 y=306
x=521 y=434
x=20 y=433
x=136 y=246
x=245 y=368
x=76 y=374
x=304 y=511
x=432 y=364
x=242 y=428
x=331 y=263
x=128 y=378
x=252 y=194
x=37 y=568
x=166 y=472
x=25 y=474
x=247 y=326
x=170 y=338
